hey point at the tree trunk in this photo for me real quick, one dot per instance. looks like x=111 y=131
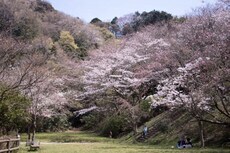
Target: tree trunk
x=28 y=133
x=135 y=128
x=201 y=128
x=34 y=128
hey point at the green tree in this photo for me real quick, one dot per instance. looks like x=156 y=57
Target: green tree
x=114 y=21
x=95 y=20
x=116 y=124
x=13 y=110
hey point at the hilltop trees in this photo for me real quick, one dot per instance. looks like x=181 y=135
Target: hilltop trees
x=135 y=22
x=43 y=6
x=147 y=18
x=114 y=20
x=32 y=19
x=95 y=21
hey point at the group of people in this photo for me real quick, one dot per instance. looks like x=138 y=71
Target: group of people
x=184 y=143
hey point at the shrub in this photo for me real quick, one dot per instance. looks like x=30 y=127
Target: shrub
x=145 y=105
x=88 y=38
x=68 y=44
x=26 y=28
x=163 y=126
x=51 y=46
x=83 y=41
x=106 y=34
x=115 y=124
x=53 y=124
x=90 y=121
x=44 y=46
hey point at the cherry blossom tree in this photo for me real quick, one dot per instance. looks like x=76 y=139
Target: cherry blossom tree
x=183 y=90
x=200 y=84
x=120 y=64
x=47 y=101
x=189 y=60
x=129 y=67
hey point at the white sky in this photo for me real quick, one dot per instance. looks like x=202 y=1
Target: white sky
x=106 y=10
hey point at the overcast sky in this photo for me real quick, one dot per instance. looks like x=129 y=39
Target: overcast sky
x=106 y=10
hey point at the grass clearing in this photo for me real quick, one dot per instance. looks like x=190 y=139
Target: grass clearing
x=83 y=142
x=113 y=148
x=71 y=136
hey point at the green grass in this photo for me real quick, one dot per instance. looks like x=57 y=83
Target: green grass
x=72 y=136
x=113 y=148
x=82 y=142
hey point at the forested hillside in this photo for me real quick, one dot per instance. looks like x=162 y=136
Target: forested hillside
x=40 y=49
x=58 y=72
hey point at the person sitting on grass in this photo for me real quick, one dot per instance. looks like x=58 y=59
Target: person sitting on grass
x=188 y=143
x=184 y=144
x=181 y=143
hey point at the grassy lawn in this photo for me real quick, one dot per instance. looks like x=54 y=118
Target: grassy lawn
x=72 y=136
x=81 y=142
